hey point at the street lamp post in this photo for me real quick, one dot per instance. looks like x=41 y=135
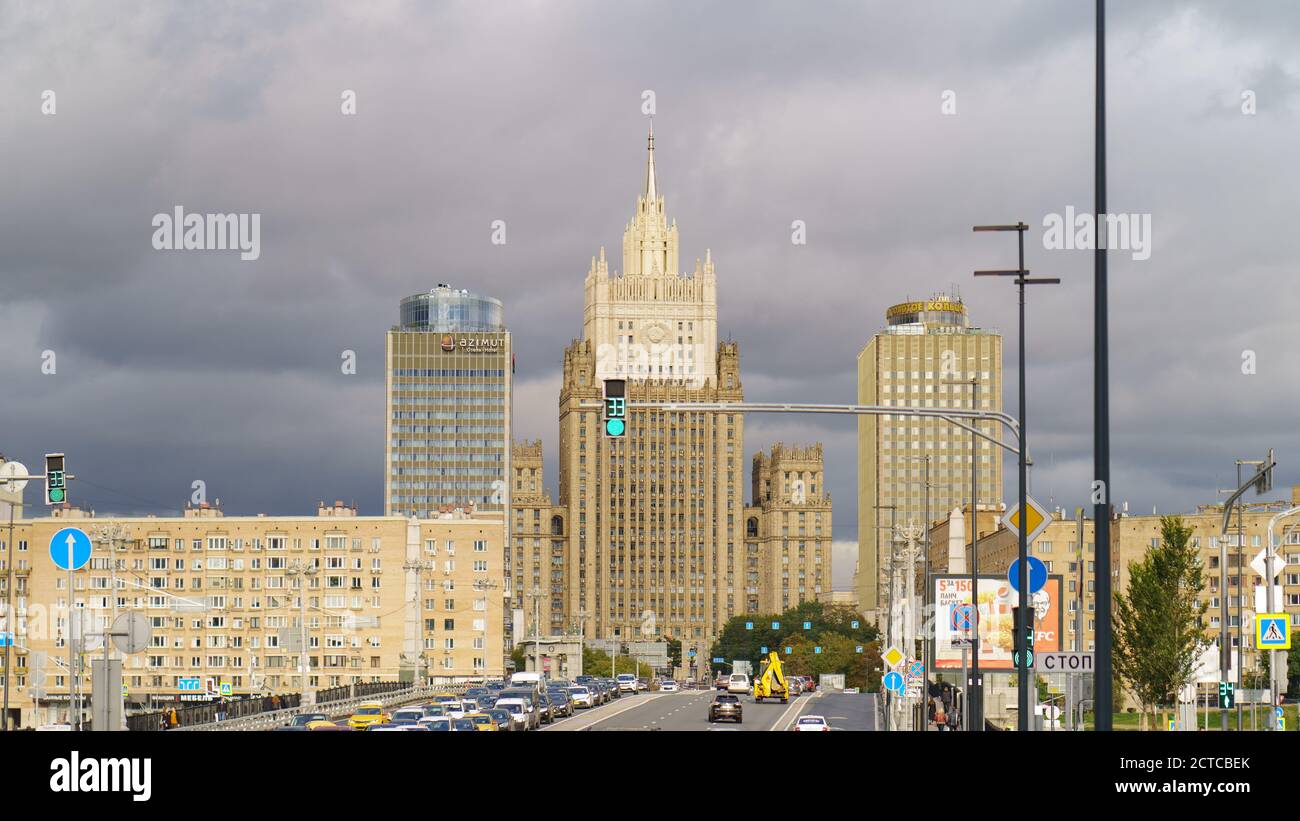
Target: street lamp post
x=304 y=572
x=1024 y=668
x=1274 y=668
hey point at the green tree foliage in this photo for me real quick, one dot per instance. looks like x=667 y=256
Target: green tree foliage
x=1159 y=623
x=830 y=627
x=596 y=662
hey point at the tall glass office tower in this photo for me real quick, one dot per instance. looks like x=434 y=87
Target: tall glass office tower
x=450 y=367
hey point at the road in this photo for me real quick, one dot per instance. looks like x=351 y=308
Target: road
x=689 y=710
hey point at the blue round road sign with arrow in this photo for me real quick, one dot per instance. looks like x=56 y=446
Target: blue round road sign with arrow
x=894 y=681
x=70 y=549
x=1037 y=575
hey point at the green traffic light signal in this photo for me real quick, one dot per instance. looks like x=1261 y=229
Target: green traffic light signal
x=56 y=495
x=614 y=427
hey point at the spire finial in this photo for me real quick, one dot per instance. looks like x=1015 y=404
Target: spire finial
x=651 y=190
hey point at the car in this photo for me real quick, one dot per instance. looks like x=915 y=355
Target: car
x=328 y=726
x=442 y=724
x=473 y=705
x=811 y=724
x=443 y=698
x=642 y=684
x=289 y=728
x=614 y=692
x=545 y=708
x=483 y=722
x=669 y=686
x=495 y=686
x=433 y=710
x=501 y=717
x=726 y=705
x=368 y=714
x=561 y=701
x=794 y=685
x=456 y=709
x=738 y=684
x=522 y=715
x=721 y=682
x=582 y=696
x=303 y=719
x=475 y=692
x=558 y=684
x=627 y=682
x=598 y=691
x=407 y=715
x=810 y=684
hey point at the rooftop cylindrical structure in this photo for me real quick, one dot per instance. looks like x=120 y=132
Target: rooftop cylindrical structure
x=452 y=310
x=940 y=310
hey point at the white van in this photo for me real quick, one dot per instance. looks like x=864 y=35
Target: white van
x=532 y=680
x=738 y=683
x=627 y=683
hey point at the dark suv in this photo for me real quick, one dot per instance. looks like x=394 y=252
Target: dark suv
x=725 y=705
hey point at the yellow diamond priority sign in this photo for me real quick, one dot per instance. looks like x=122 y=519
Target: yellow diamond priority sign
x=1037 y=519
x=893 y=656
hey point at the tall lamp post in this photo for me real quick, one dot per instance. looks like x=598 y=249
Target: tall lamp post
x=304 y=571
x=483 y=586
x=109 y=537
x=974 y=711
x=1103 y=704
x=1024 y=622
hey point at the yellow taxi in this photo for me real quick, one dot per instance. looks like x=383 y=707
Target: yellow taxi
x=482 y=722
x=368 y=715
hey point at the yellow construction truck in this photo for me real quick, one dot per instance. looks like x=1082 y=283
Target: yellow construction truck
x=771 y=682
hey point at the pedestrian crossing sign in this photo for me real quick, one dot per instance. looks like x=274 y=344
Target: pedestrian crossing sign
x=1273 y=631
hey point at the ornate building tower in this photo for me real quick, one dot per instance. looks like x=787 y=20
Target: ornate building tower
x=655 y=519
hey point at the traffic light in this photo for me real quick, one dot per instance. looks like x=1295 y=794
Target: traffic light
x=1028 y=660
x=615 y=408
x=1227 y=695
x=56 y=483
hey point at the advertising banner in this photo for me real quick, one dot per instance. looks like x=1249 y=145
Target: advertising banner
x=994 y=618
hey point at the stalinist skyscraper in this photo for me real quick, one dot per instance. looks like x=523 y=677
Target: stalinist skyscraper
x=655 y=518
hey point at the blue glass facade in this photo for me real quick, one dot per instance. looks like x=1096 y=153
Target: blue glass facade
x=452 y=310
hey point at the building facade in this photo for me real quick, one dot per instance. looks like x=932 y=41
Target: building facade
x=386 y=598
x=538 y=544
x=450 y=374
x=787 y=530
x=925 y=348
x=655 y=519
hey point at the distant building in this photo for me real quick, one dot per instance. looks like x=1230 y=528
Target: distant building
x=450 y=373
x=925 y=346
x=387 y=598
x=787 y=530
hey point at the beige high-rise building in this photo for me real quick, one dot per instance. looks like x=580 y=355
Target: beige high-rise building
x=447 y=422
x=924 y=346
x=655 y=518
x=387 y=598
x=536 y=584
x=787 y=530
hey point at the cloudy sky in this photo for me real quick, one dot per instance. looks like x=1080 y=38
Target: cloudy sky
x=176 y=366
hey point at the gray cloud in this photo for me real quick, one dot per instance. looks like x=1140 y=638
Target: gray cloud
x=176 y=366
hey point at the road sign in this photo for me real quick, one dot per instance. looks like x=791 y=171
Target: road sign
x=749 y=625
x=1037 y=575
x=1064 y=662
x=11 y=469
x=70 y=538
x=963 y=617
x=1260 y=564
x=807 y=625
x=893 y=656
x=916 y=668
x=1037 y=519
x=1273 y=631
x=853 y=624
x=6 y=639
x=894 y=681
x=859 y=649
x=959 y=643
x=763 y=649
x=789 y=650
x=719 y=660
x=131 y=632
x=776 y=625
x=817 y=649
x=188 y=685
x=1227 y=695
x=227 y=690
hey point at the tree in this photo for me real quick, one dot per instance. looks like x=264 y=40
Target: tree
x=1159 y=626
x=674 y=652
x=596 y=662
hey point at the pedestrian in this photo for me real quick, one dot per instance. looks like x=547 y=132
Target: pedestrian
x=163 y=721
x=172 y=720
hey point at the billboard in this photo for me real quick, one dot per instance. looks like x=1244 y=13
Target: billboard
x=994 y=618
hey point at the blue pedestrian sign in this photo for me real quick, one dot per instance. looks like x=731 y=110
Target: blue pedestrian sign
x=70 y=549
x=894 y=681
x=1037 y=575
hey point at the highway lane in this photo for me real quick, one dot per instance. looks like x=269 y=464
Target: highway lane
x=689 y=711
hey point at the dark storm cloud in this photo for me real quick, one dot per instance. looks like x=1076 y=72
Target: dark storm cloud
x=175 y=366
